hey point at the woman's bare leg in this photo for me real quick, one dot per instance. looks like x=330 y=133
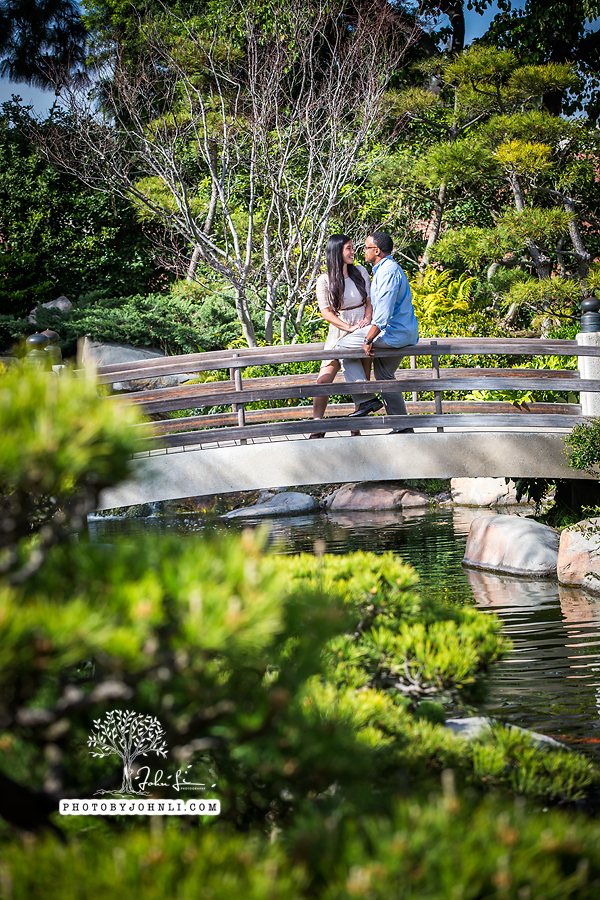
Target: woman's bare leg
x=326 y=376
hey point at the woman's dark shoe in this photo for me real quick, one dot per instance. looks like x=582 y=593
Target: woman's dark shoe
x=355 y=434
x=317 y=434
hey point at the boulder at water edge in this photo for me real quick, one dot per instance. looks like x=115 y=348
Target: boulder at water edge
x=288 y=504
x=579 y=555
x=61 y=305
x=375 y=495
x=512 y=544
x=95 y=353
x=482 y=492
x=474 y=727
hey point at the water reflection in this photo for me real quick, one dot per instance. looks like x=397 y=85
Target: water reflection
x=550 y=682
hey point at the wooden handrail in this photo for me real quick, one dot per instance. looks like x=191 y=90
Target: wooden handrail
x=421 y=407
x=202 y=395
x=240 y=389
x=280 y=355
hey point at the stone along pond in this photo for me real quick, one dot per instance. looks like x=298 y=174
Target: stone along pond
x=550 y=682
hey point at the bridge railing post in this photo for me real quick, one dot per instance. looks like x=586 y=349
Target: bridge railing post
x=437 y=395
x=235 y=373
x=413 y=365
x=589 y=366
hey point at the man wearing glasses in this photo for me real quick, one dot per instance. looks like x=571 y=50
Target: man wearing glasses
x=393 y=325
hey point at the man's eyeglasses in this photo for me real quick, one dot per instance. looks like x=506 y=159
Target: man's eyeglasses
x=370 y=247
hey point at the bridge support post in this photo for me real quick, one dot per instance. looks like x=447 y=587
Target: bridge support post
x=437 y=395
x=413 y=365
x=236 y=376
x=589 y=367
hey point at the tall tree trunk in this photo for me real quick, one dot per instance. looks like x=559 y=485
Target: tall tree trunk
x=560 y=256
x=208 y=224
x=214 y=195
x=436 y=225
x=191 y=272
x=283 y=326
x=542 y=263
x=241 y=305
x=583 y=257
x=271 y=281
x=454 y=9
x=269 y=312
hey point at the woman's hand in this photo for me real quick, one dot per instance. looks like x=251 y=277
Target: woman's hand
x=368 y=313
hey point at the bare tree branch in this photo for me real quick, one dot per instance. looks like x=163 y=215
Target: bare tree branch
x=241 y=155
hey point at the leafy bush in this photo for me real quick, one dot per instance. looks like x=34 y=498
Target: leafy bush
x=583 y=446
x=398 y=642
x=58 y=236
x=59 y=447
x=310 y=690
x=178 y=863
x=438 y=293
x=449 y=846
x=172 y=323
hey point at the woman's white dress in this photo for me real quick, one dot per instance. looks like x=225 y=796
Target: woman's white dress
x=352 y=298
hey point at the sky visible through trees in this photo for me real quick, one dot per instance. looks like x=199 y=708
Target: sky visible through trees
x=476 y=25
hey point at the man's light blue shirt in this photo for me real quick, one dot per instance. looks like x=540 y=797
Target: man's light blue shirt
x=393 y=311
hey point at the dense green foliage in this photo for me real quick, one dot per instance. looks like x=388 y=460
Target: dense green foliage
x=583 y=445
x=308 y=692
x=449 y=847
x=172 y=322
x=555 y=30
x=481 y=177
x=58 y=237
x=59 y=447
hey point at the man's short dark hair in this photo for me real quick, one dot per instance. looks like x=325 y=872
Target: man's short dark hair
x=383 y=241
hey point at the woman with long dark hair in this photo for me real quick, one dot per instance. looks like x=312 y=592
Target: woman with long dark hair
x=343 y=295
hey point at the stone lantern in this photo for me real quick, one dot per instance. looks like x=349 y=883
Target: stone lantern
x=36 y=357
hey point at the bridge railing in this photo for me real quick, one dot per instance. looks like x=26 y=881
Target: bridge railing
x=237 y=391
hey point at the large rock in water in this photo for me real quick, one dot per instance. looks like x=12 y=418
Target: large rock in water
x=472 y=728
x=95 y=353
x=376 y=495
x=289 y=504
x=579 y=555
x=512 y=544
x=482 y=492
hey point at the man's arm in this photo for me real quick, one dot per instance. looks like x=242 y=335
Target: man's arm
x=368 y=341
x=387 y=295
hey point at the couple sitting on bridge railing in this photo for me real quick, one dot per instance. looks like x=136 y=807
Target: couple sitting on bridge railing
x=360 y=314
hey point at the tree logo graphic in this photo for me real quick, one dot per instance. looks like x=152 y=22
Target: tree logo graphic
x=129 y=735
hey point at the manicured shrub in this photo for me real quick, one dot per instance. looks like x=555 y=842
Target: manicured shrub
x=172 y=323
x=309 y=690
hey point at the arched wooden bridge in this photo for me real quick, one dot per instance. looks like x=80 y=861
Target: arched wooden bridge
x=219 y=444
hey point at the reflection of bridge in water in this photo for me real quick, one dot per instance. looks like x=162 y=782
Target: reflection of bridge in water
x=241 y=432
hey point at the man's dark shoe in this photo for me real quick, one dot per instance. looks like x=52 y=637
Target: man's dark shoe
x=402 y=431
x=364 y=409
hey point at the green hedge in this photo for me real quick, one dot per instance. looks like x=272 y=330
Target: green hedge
x=171 y=323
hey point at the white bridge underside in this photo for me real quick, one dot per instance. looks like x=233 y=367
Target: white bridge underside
x=295 y=461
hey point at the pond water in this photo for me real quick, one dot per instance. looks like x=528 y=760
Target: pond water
x=550 y=682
